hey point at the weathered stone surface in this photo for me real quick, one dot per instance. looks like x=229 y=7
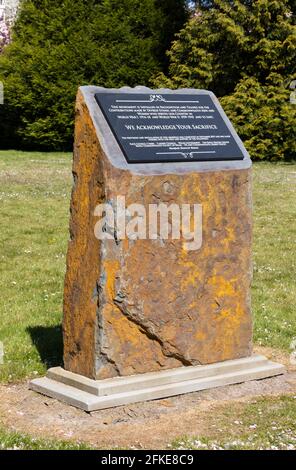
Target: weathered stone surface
x=137 y=306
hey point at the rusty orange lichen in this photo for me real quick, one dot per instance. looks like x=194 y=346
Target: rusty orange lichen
x=138 y=306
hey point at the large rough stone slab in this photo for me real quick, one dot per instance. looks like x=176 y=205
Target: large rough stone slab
x=139 y=306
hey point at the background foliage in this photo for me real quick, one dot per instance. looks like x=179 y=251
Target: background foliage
x=243 y=50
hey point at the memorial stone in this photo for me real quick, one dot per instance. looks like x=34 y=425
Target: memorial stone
x=147 y=313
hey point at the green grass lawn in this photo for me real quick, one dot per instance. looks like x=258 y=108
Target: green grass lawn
x=34 y=212
x=266 y=423
x=274 y=286
x=16 y=441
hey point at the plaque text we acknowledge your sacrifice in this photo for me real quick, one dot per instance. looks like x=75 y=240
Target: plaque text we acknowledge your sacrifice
x=154 y=128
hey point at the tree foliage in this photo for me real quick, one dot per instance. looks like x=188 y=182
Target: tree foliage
x=264 y=118
x=245 y=51
x=59 y=45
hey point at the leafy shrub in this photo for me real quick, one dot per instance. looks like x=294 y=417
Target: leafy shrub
x=264 y=118
x=59 y=45
x=244 y=51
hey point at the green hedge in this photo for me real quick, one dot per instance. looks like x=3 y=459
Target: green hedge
x=59 y=45
x=244 y=51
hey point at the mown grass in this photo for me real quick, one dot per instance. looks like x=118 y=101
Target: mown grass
x=17 y=441
x=34 y=212
x=267 y=423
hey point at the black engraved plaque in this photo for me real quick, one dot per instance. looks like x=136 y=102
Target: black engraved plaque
x=155 y=128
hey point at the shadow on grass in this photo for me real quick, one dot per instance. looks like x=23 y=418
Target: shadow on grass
x=48 y=341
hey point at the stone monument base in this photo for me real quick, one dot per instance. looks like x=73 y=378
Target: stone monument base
x=91 y=395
